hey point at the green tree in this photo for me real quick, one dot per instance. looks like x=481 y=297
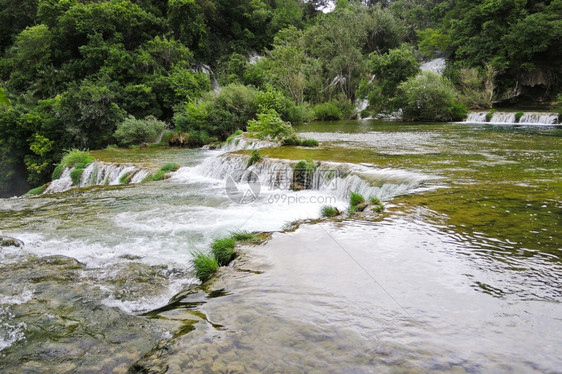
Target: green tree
x=388 y=71
x=429 y=97
x=90 y=114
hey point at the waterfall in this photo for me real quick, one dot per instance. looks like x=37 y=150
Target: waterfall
x=99 y=173
x=510 y=118
x=241 y=142
x=437 y=65
x=540 y=118
x=503 y=117
x=476 y=117
x=361 y=105
x=336 y=179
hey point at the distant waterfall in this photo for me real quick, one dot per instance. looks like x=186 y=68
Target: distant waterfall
x=540 y=118
x=437 y=65
x=99 y=173
x=531 y=118
x=337 y=179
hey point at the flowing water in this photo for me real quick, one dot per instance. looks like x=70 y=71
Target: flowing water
x=461 y=273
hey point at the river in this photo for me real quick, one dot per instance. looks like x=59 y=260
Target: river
x=461 y=273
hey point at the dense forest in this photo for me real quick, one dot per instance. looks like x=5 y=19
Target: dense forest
x=86 y=74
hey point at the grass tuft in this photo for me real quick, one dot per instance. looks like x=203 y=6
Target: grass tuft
x=57 y=173
x=308 y=143
x=231 y=137
x=254 y=158
x=356 y=199
x=244 y=236
x=329 y=211
x=37 y=190
x=76 y=176
x=204 y=265
x=518 y=116
x=223 y=250
x=74 y=157
x=158 y=176
x=170 y=167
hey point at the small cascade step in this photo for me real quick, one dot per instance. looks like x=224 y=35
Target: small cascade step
x=528 y=118
x=335 y=179
x=97 y=174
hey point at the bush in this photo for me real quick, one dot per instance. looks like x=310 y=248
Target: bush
x=327 y=112
x=134 y=131
x=218 y=114
x=518 y=116
x=429 y=97
x=204 y=265
x=223 y=250
x=270 y=126
x=329 y=211
x=254 y=158
x=300 y=113
x=356 y=199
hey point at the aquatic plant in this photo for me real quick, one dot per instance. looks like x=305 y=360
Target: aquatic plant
x=489 y=115
x=223 y=250
x=303 y=175
x=204 y=265
x=329 y=211
x=356 y=199
x=308 y=143
x=125 y=178
x=254 y=158
x=76 y=176
x=57 y=173
x=377 y=205
x=244 y=236
x=518 y=116
x=73 y=157
x=231 y=137
x=38 y=190
x=158 y=176
x=170 y=167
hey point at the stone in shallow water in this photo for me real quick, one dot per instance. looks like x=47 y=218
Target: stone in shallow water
x=6 y=241
x=68 y=329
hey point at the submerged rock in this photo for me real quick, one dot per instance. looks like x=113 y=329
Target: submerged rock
x=6 y=241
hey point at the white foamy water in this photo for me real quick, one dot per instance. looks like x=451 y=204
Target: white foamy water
x=99 y=173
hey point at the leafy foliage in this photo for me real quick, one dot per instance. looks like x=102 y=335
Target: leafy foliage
x=134 y=132
x=429 y=97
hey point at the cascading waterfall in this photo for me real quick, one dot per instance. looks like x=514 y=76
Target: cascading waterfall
x=532 y=118
x=541 y=118
x=99 y=173
x=437 y=65
x=240 y=143
x=335 y=179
